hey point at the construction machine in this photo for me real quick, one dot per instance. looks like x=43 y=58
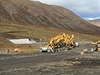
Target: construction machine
x=58 y=43
x=97 y=47
x=95 y=42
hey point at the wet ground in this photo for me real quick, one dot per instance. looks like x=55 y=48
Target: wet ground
x=60 y=63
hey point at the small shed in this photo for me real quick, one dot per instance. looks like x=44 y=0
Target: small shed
x=22 y=41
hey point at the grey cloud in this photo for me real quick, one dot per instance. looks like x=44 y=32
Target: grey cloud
x=83 y=8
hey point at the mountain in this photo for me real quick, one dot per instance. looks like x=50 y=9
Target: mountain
x=95 y=22
x=26 y=12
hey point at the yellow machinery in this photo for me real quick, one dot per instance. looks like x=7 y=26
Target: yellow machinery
x=95 y=42
x=59 y=43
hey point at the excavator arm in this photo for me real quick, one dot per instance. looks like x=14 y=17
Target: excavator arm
x=59 y=42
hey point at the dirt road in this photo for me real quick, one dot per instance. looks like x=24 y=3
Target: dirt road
x=60 y=63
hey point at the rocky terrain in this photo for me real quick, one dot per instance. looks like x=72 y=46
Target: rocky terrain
x=60 y=63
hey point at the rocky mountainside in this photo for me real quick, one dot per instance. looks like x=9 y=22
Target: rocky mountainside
x=95 y=22
x=28 y=12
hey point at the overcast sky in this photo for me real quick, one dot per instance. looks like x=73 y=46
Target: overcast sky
x=86 y=9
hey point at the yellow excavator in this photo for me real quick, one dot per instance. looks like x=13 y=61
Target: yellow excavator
x=95 y=42
x=58 y=43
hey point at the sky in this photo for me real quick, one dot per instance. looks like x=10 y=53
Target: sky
x=86 y=9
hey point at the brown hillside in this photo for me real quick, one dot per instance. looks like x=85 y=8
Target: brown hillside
x=32 y=19
x=95 y=22
x=28 y=12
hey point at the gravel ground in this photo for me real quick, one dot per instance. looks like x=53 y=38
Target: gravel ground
x=60 y=63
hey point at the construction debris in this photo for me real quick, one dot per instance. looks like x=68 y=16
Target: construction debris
x=17 y=50
x=84 y=51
